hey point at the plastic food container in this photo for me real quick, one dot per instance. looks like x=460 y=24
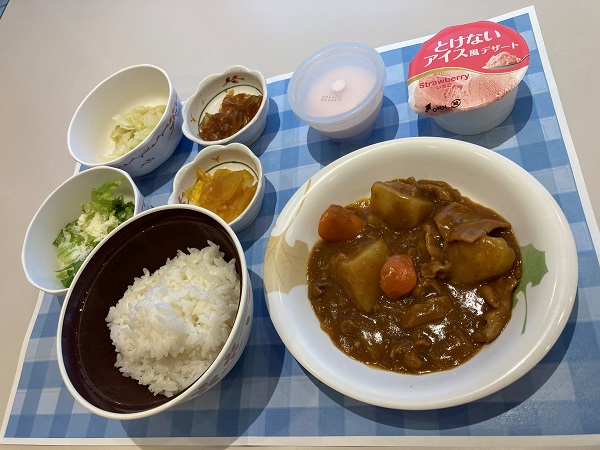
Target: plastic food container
x=466 y=76
x=339 y=91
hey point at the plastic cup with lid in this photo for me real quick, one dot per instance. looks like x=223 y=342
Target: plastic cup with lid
x=338 y=91
x=466 y=76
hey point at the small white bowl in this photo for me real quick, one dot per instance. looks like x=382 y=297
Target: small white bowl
x=234 y=157
x=39 y=256
x=209 y=96
x=143 y=85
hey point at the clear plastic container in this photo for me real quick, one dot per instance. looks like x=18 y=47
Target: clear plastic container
x=339 y=91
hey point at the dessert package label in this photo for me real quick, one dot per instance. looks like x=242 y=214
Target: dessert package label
x=465 y=67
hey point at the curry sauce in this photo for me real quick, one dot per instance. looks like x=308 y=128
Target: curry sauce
x=468 y=263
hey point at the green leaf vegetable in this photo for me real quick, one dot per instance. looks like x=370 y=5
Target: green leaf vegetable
x=99 y=217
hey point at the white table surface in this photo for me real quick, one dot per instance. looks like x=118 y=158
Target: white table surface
x=53 y=52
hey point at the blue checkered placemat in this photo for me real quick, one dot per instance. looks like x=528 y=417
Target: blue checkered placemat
x=268 y=395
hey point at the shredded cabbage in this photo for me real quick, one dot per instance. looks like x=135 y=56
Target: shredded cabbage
x=99 y=217
x=132 y=128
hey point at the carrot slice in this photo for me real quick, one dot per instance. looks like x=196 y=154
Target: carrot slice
x=398 y=276
x=337 y=224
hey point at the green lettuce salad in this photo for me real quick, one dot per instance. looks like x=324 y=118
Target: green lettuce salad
x=99 y=217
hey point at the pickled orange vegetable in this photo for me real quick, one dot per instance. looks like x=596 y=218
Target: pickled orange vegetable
x=234 y=114
x=225 y=192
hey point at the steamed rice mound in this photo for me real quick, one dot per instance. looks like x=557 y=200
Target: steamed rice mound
x=169 y=326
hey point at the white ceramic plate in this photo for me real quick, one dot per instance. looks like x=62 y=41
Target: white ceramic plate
x=543 y=306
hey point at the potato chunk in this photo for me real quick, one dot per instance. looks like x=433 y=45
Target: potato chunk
x=359 y=272
x=482 y=260
x=399 y=205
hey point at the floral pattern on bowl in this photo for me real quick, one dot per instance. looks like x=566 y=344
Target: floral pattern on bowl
x=150 y=157
x=209 y=96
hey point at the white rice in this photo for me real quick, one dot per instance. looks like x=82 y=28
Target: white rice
x=170 y=325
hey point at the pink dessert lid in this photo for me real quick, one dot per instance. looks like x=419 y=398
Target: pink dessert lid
x=465 y=67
